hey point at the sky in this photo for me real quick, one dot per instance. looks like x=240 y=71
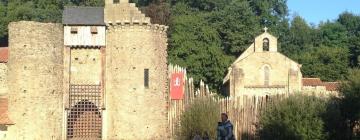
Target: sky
x=315 y=11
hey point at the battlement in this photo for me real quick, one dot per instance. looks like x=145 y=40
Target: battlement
x=124 y=13
x=138 y=26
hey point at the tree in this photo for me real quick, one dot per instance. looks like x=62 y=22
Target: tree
x=328 y=63
x=333 y=34
x=204 y=5
x=271 y=13
x=352 y=24
x=3 y=21
x=350 y=103
x=36 y=10
x=141 y=3
x=237 y=26
x=158 y=11
x=197 y=46
x=87 y=2
x=299 y=38
x=298 y=117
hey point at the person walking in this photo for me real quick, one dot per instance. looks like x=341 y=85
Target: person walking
x=225 y=129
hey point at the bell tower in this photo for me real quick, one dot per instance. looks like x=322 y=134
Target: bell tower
x=265 y=42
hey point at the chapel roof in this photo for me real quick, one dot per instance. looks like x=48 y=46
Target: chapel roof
x=83 y=16
x=312 y=82
x=4 y=54
x=331 y=86
x=4 y=119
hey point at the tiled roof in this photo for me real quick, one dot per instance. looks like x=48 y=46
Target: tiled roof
x=331 y=86
x=4 y=54
x=312 y=82
x=264 y=86
x=4 y=119
x=83 y=16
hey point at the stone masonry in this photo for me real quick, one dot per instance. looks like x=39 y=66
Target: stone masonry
x=35 y=81
x=3 y=79
x=41 y=68
x=130 y=50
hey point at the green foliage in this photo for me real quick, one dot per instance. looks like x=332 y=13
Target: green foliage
x=36 y=10
x=204 y=5
x=157 y=10
x=300 y=37
x=237 y=26
x=335 y=127
x=194 y=44
x=3 y=20
x=298 y=117
x=328 y=63
x=95 y=3
x=333 y=34
x=350 y=103
x=352 y=24
x=269 y=11
x=200 y=117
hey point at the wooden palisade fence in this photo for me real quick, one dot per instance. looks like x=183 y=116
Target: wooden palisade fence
x=243 y=110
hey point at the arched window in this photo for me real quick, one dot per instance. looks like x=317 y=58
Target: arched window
x=266 y=76
x=266 y=44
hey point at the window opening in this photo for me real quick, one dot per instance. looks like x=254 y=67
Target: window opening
x=266 y=44
x=146 y=78
x=267 y=76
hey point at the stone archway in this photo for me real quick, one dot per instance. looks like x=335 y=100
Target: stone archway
x=84 y=121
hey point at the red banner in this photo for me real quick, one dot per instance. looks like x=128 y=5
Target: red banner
x=177 y=86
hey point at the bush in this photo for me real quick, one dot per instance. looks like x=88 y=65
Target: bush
x=350 y=103
x=200 y=117
x=298 y=117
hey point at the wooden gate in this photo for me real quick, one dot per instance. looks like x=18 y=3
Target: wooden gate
x=84 y=119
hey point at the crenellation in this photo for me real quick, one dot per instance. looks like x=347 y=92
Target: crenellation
x=162 y=29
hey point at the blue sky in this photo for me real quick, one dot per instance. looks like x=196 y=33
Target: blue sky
x=315 y=11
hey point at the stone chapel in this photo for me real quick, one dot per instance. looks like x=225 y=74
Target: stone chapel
x=261 y=69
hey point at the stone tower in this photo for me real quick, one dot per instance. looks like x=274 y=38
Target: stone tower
x=136 y=69
x=102 y=74
x=84 y=67
x=35 y=81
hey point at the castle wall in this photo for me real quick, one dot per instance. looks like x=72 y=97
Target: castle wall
x=3 y=79
x=132 y=110
x=85 y=66
x=35 y=81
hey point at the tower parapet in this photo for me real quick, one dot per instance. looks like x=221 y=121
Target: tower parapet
x=136 y=69
x=124 y=13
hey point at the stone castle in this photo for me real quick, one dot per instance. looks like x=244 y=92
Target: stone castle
x=101 y=74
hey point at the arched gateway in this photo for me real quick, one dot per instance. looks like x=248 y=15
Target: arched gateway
x=84 y=119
